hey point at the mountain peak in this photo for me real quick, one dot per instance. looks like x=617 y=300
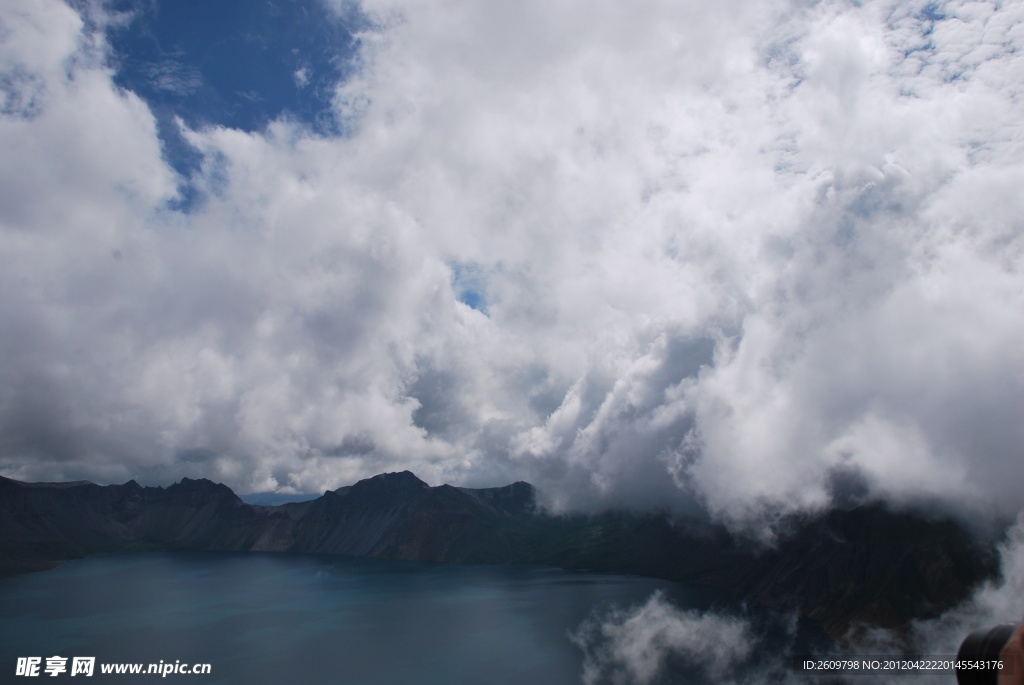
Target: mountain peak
x=397 y=479
x=388 y=486
x=201 y=485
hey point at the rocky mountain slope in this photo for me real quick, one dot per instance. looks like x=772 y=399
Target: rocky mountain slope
x=866 y=564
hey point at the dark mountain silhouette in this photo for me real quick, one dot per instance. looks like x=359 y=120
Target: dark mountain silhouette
x=866 y=564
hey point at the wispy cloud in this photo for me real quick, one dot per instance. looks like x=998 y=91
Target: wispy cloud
x=173 y=77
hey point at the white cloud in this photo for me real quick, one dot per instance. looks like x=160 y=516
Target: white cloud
x=656 y=642
x=727 y=250
x=631 y=646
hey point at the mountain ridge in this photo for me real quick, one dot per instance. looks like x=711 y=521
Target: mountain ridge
x=863 y=565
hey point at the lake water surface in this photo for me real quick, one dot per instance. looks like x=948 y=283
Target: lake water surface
x=266 y=619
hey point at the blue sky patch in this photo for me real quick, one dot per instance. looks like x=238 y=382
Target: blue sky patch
x=234 y=63
x=470 y=284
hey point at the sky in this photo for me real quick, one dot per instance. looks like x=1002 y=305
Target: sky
x=749 y=258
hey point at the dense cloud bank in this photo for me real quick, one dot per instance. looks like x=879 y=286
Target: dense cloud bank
x=721 y=256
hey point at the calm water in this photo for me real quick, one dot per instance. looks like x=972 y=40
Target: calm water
x=278 y=620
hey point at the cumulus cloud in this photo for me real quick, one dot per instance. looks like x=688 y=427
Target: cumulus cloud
x=722 y=253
